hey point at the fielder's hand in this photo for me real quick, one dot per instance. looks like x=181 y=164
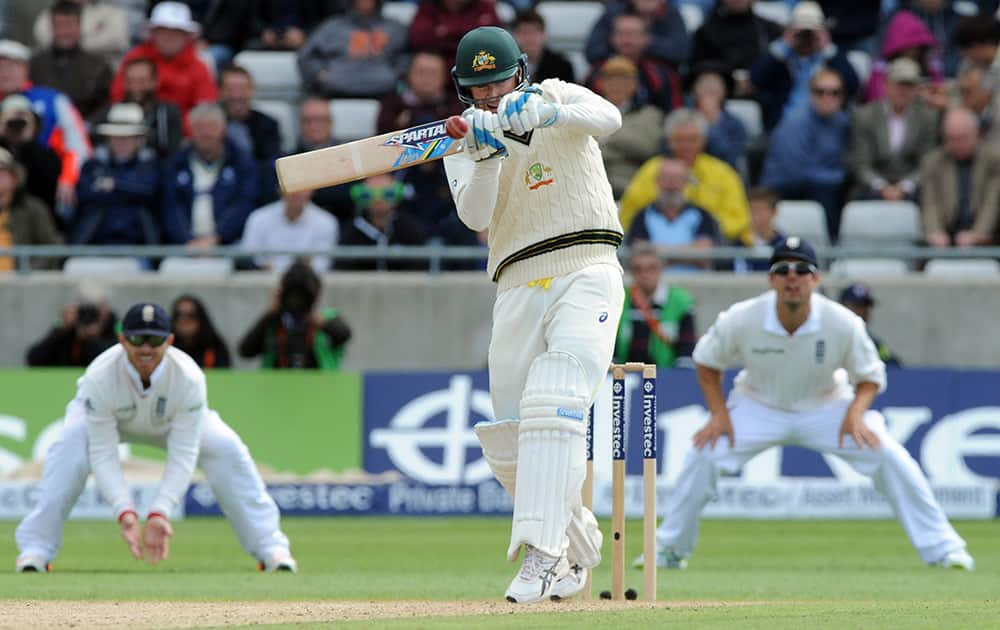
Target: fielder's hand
x=717 y=426
x=131 y=532
x=481 y=141
x=156 y=538
x=520 y=112
x=854 y=426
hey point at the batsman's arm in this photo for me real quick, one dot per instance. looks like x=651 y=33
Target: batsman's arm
x=584 y=111
x=474 y=187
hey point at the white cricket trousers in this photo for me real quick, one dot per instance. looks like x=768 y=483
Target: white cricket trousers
x=223 y=457
x=757 y=427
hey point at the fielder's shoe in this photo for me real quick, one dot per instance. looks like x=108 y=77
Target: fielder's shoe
x=665 y=559
x=279 y=561
x=32 y=564
x=570 y=584
x=539 y=572
x=957 y=559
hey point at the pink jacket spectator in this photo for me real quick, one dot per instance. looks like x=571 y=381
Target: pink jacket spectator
x=905 y=30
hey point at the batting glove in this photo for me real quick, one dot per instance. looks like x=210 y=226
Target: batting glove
x=481 y=141
x=522 y=111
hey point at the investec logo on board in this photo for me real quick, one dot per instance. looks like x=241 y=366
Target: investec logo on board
x=418 y=137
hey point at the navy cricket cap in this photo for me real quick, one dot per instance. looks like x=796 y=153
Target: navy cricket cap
x=857 y=293
x=146 y=318
x=794 y=248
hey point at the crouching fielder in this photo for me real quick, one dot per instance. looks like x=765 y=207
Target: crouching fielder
x=144 y=390
x=799 y=352
x=532 y=173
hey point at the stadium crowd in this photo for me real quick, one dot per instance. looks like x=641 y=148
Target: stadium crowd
x=128 y=122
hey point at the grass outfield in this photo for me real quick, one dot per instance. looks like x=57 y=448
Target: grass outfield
x=757 y=574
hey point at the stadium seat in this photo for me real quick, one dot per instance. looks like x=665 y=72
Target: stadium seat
x=581 y=67
x=275 y=74
x=867 y=267
x=101 y=266
x=862 y=64
x=962 y=267
x=693 y=17
x=354 y=118
x=284 y=113
x=776 y=11
x=198 y=267
x=402 y=12
x=803 y=218
x=880 y=223
x=568 y=24
x=506 y=12
x=748 y=112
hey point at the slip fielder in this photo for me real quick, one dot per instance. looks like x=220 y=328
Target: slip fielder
x=532 y=173
x=810 y=373
x=144 y=390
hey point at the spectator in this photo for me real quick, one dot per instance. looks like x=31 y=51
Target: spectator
x=355 y=55
x=713 y=186
x=290 y=224
x=183 y=78
x=978 y=40
x=316 y=132
x=529 y=32
x=890 y=136
x=226 y=25
x=285 y=23
x=672 y=223
x=162 y=118
x=906 y=36
x=294 y=333
x=858 y=298
x=195 y=334
x=104 y=29
x=439 y=24
x=625 y=150
x=657 y=324
x=659 y=83
x=24 y=220
x=668 y=40
x=87 y=328
x=806 y=157
x=782 y=75
x=976 y=87
x=960 y=185
x=82 y=76
x=733 y=36
x=854 y=24
x=249 y=130
x=766 y=236
x=19 y=127
x=61 y=128
x=727 y=138
x=119 y=186
x=941 y=18
x=378 y=223
x=206 y=196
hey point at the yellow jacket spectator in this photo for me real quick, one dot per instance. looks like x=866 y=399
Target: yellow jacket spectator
x=714 y=185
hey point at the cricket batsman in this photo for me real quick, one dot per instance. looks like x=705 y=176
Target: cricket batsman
x=531 y=171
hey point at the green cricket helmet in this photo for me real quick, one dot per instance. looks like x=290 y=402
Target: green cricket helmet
x=486 y=55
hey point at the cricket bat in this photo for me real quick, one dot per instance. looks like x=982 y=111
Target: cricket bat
x=364 y=158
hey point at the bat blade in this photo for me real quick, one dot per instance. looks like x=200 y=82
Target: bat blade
x=364 y=158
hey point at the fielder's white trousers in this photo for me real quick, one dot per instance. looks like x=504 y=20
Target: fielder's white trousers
x=576 y=314
x=757 y=427
x=223 y=457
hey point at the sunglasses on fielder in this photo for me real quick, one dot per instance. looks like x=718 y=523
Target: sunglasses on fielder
x=800 y=268
x=153 y=341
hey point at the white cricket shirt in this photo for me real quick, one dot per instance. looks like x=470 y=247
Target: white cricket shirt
x=798 y=372
x=548 y=203
x=173 y=406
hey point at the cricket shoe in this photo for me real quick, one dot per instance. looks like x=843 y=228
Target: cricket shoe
x=665 y=559
x=957 y=559
x=32 y=564
x=570 y=584
x=539 y=573
x=279 y=561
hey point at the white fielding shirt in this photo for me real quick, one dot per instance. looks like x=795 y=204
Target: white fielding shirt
x=553 y=187
x=173 y=406
x=798 y=372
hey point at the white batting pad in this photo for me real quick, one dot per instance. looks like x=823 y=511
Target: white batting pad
x=550 y=472
x=556 y=387
x=585 y=539
x=499 y=442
